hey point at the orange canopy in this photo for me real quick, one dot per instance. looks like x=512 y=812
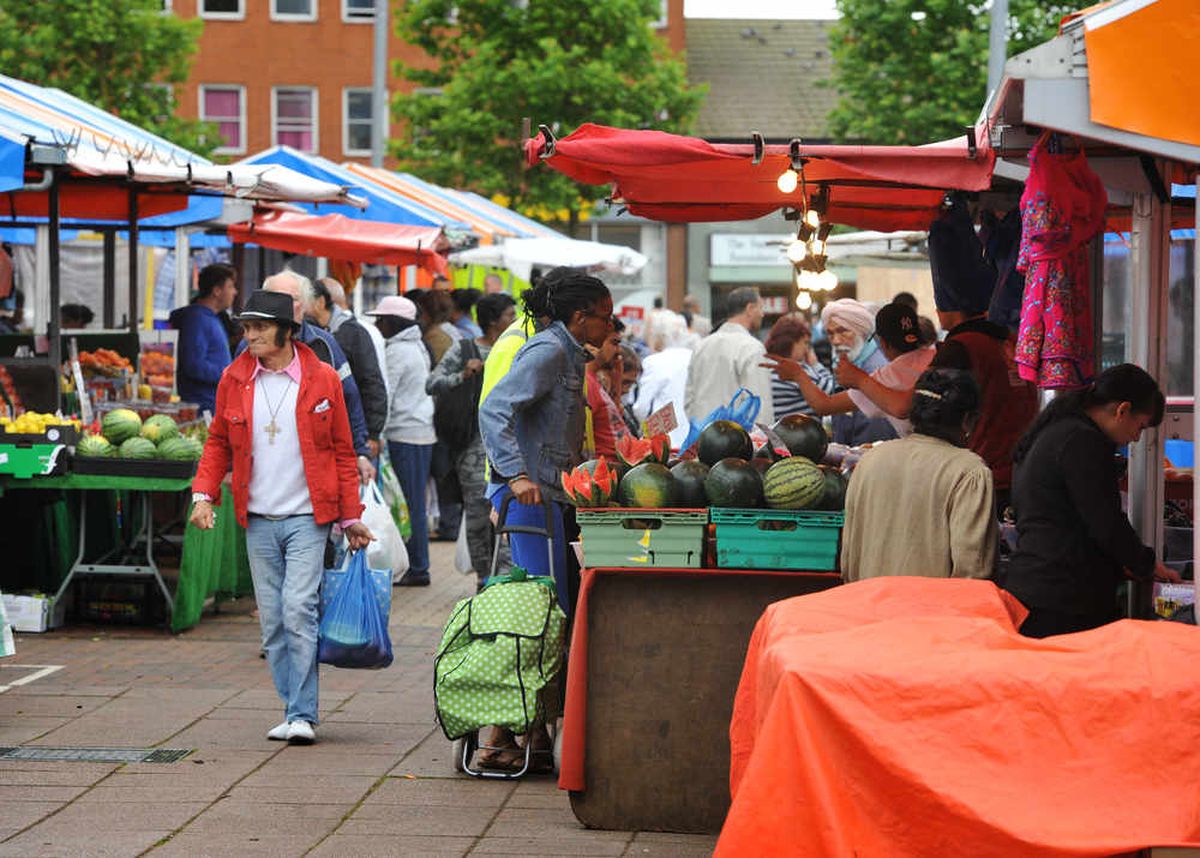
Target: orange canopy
x=906 y=717
x=339 y=237
x=672 y=178
x=1141 y=61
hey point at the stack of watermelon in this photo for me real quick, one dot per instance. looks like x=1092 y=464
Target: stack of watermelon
x=122 y=433
x=726 y=473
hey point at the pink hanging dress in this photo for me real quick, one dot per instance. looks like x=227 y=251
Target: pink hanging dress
x=1062 y=209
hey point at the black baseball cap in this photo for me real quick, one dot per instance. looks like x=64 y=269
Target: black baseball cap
x=264 y=306
x=898 y=326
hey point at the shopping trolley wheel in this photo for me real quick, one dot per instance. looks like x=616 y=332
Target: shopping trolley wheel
x=457 y=748
x=557 y=751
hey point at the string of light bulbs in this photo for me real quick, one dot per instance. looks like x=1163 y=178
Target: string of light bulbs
x=808 y=252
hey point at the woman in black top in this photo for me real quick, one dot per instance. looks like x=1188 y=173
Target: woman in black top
x=1074 y=542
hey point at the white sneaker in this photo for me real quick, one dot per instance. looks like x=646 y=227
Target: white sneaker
x=301 y=733
x=278 y=733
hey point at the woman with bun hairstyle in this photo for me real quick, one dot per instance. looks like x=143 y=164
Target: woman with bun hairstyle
x=1074 y=543
x=533 y=420
x=922 y=505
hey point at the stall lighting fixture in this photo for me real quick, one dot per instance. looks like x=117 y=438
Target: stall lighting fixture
x=788 y=181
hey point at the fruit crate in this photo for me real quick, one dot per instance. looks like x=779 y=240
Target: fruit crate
x=777 y=538
x=642 y=538
x=26 y=460
x=52 y=435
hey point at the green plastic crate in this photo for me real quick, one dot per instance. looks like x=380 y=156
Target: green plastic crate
x=747 y=538
x=642 y=537
x=32 y=460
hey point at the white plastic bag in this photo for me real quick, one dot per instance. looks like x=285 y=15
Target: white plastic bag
x=462 y=552
x=387 y=551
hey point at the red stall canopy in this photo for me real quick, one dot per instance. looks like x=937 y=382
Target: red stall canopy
x=668 y=177
x=339 y=237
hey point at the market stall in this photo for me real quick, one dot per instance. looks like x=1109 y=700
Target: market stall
x=62 y=160
x=907 y=717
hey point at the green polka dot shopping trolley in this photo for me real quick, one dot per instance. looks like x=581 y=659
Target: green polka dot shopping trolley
x=495 y=669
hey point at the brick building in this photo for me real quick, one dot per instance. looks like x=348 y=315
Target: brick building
x=298 y=72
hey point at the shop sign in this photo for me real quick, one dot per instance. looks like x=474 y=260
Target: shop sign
x=747 y=249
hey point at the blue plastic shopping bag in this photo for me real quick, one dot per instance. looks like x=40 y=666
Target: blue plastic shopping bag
x=355 y=602
x=742 y=409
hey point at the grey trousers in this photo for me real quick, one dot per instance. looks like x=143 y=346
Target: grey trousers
x=470 y=466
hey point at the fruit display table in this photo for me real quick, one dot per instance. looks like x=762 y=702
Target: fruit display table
x=212 y=562
x=656 y=655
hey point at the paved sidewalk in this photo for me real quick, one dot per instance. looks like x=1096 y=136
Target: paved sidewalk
x=378 y=782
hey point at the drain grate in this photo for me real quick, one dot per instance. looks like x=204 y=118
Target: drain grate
x=41 y=753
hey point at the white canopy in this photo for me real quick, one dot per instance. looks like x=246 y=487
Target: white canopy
x=519 y=255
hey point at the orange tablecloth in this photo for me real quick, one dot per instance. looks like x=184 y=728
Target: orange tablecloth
x=906 y=717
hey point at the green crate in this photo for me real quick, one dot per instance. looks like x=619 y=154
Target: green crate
x=748 y=538
x=642 y=537
x=32 y=460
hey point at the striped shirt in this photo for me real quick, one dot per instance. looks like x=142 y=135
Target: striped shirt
x=787 y=397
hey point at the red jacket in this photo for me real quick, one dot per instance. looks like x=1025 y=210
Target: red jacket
x=324 y=439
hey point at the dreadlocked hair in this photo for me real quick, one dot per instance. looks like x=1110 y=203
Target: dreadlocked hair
x=562 y=292
x=1125 y=382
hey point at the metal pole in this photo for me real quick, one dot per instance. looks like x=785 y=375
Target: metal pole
x=53 y=334
x=1148 y=324
x=1195 y=390
x=108 y=308
x=133 y=260
x=379 y=105
x=997 y=44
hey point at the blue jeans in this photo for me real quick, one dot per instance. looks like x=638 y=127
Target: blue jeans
x=411 y=463
x=529 y=550
x=286 y=562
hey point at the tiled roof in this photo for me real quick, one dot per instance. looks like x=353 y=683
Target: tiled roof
x=762 y=77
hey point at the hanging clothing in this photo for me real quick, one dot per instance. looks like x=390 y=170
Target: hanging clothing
x=1001 y=243
x=1062 y=209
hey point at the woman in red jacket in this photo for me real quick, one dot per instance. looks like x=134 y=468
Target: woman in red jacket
x=281 y=424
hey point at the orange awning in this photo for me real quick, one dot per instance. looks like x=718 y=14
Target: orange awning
x=339 y=237
x=1142 y=67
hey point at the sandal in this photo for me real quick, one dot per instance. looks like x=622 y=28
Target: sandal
x=502 y=753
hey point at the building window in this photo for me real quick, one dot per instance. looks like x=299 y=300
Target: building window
x=233 y=10
x=664 y=17
x=294 y=117
x=226 y=107
x=293 y=10
x=356 y=121
x=354 y=11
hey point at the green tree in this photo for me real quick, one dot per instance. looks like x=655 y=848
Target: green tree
x=558 y=62
x=121 y=55
x=914 y=71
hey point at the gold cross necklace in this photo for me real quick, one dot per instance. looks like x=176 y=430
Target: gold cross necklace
x=272 y=429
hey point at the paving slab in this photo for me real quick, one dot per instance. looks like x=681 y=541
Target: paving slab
x=388 y=820
x=368 y=846
x=448 y=792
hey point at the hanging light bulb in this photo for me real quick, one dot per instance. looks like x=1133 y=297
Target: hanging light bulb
x=803 y=300
x=818 y=248
x=797 y=251
x=813 y=218
x=826 y=281
x=788 y=181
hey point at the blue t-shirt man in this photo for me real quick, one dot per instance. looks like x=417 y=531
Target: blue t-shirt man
x=202 y=352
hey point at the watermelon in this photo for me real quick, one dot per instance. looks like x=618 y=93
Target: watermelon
x=178 y=449
x=803 y=435
x=159 y=427
x=723 y=439
x=120 y=425
x=834 y=495
x=138 y=448
x=96 y=446
x=591 y=484
x=734 y=482
x=633 y=451
x=648 y=486
x=794 y=483
x=689 y=483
